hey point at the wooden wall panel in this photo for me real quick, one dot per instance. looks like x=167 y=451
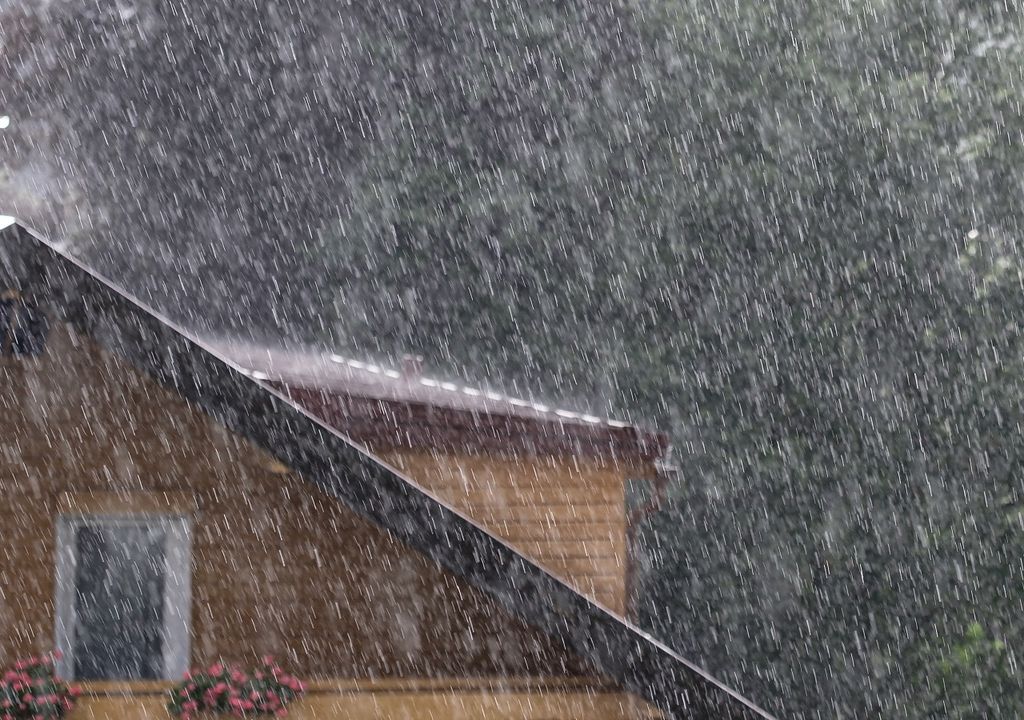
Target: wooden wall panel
x=437 y=700
x=278 y=567
x=568 y=514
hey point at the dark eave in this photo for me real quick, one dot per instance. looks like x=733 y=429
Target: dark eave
x=326 y=458
x=388 y=407
x=385 y=424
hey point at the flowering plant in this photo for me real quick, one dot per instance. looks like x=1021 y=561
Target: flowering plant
x=224 y=689
x=31 y=690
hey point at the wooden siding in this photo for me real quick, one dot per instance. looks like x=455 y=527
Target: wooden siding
x=568 y=514
x=450 y=699
x=278 y=567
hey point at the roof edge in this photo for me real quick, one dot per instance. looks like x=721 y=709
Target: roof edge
x=386 y=423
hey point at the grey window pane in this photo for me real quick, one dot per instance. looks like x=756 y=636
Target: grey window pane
x=119 y=589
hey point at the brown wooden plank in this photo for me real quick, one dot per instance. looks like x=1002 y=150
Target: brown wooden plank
x=525 y=493
x=558 y=531
x=371 y=703
x=581 y=548
x=597 y=569
x=540 y=514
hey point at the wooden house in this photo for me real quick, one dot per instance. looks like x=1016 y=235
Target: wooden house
x=170 y=502
x=549 y=481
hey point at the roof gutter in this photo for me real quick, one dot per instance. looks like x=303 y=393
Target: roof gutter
x=664 y=473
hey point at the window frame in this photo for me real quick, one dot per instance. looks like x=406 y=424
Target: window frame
x=176 y=634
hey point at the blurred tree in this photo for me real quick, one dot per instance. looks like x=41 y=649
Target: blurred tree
x=970 y=679
x=788 y=230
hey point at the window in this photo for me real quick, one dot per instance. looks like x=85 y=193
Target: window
x=123 y=596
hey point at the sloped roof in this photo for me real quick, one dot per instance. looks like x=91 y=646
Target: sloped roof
x=384 y=407
x=308 y=367
x=77 y=295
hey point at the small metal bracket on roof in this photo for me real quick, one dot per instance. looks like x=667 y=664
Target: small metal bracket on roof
x=412 y=366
